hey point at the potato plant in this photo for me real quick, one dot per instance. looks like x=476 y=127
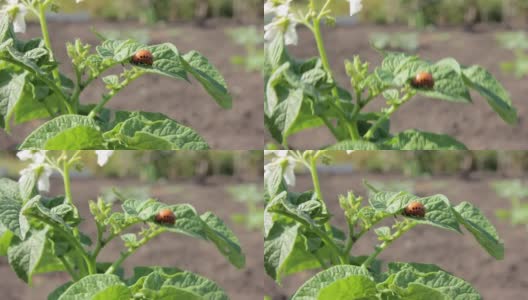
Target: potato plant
x=299 y=236
x=41 y=234
x=303 y=94
x=32 y=87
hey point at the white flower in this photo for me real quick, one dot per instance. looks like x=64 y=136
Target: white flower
x=42 y=172
x=17 y=12
x=103 y=156
x=283 y=160
x=350 y=152
x=38 y=168
x=36 y=156
x=282 y=25
x=355 y=6
x=277 y=7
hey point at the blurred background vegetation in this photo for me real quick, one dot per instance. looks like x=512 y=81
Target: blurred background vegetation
x=420 y=163
x=415 y=13
x=153 y=11
x=152 y=166
x=423 y=13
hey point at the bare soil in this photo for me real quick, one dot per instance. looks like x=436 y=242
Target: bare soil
x=241 y=128
x=170 y=250
x=476 y=125
x=458 y=254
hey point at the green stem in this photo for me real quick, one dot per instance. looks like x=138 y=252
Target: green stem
x=316 y=29
x=392 y=109
x=67 y=183
x=317 y=188
x=370 y=133
x=47 y=40
x=112 y=93
x=126 y=254
x=387 y=243
x=100 y=241
x=321 y=234
x=331 y=127
x=69 y=268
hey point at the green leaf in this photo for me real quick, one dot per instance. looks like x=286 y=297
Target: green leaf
x=97 y=287
x=354 y=145
x=37 y=99
x=278 y=246
x=67 y=132
x=438 y=213
x=272 y=98
x=273 y=173
x=421 y=140
x=119 y=50
x=438 y=209
x=25 y=255
x=11 y=91
x=312 y=289
x=482 y=81
x=200 y=286
x=349 y=288
x=169 y=293
x=208 y=76
x=167 y=61
x=59 y=291
x=410 y=275
x=481 y=228
x=391 y=202
x=224 y=239
x=287 y=112
x=186 y=222
x=6 y=236
x=10 y=208
x=6 y=27
x=449 y=84
x=141 y=130
x=274 y=52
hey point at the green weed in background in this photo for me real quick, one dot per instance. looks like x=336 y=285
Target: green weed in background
x=518 y=43
x=406 y=41
x=252 y=40
x=251 y=196
x=154 y=11
x=517 y=193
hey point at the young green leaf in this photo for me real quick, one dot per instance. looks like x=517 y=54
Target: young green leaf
x=413 y=139
x=11 y=91
x=141 y=130
x=483 y=82
x=355 y=279
x=407 y=276
x=481 y=228
x=97 y=287
x=213 y=82
x=67 y=132
x=25 y=255
x=10 y=208
x=224 y=239
x=278 y=246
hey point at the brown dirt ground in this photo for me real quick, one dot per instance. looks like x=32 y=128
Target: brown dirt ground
x=475 y=125
x=460 y=255
x=240 y=128
x=168 y=249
